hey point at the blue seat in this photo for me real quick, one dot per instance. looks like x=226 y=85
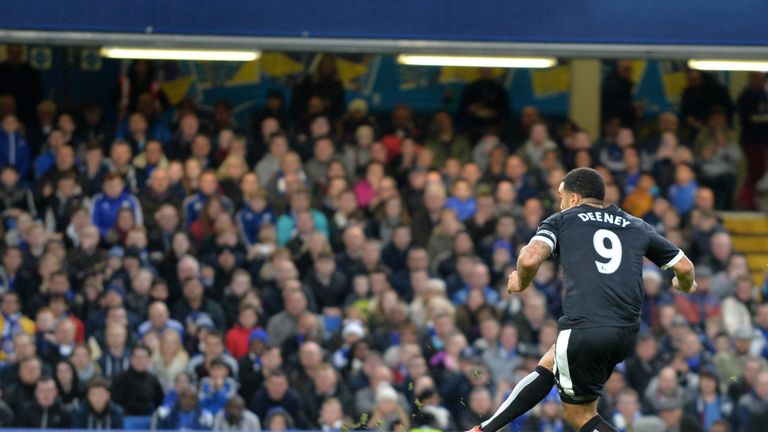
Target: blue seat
x=136 y=422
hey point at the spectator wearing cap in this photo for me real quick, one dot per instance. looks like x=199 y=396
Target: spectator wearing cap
x=352 y=332
x=700 y=305
x=97 y=411
x=752 y=408
x=195 y=302
x=137 y=390
x=250 y=366
x=46 y=411
x=107 y=205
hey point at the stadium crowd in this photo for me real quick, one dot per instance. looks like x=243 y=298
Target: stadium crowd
x=324 y=268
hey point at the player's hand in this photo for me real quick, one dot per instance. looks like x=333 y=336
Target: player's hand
x=513 y=285
x=676 y=285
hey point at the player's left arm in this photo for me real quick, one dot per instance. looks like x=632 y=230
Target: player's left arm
x=531 y=257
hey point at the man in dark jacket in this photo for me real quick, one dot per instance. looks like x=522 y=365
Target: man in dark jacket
x=46 y=412
x=276 y=393
x=137 y=391
x=195 y=301
x=617 y=100
x=23 y=393
x=98 y=411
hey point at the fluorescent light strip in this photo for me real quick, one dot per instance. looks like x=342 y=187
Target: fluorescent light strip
x=178 y=54
x=476 y=61
x=728 y=65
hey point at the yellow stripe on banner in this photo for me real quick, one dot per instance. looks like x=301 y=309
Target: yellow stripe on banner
x=279 y=65
x=176 y=90
x=552 y=81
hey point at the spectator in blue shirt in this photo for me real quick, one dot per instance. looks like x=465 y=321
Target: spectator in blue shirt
x=208 y=186
x=682 y=194
x=286 y=224
x=217 y=388
x=255 y=212
x=186 y=414
x=108 y=204
x=14 y=149
x=478 y=280
x=461 y=200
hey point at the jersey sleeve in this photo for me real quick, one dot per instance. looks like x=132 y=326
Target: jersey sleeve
x=548 y=231
x=661 y=251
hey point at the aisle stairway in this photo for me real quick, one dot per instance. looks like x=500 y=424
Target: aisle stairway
x=750 y=237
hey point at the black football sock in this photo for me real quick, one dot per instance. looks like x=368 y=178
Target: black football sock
x=527 y=393
x=597 y=424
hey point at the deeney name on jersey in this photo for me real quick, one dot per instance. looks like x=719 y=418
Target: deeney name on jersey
x=604 y=217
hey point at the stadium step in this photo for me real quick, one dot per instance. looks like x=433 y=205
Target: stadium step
x=745 y=223
x=750 y=237
x=750 y=243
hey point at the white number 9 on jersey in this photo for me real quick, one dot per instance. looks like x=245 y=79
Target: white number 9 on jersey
x=612 y=253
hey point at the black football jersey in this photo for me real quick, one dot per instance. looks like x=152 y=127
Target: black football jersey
x=601 y=252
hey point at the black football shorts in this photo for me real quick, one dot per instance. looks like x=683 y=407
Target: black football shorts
x=586 y=357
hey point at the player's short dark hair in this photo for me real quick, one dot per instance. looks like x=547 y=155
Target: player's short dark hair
x=586 y=182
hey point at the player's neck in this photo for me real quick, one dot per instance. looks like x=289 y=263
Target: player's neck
x=590 y=202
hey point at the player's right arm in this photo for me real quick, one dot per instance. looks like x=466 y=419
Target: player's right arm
x=528 y=263
x=541 y=246
x=666 y=255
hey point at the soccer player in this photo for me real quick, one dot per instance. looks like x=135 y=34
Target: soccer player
x=601 y=250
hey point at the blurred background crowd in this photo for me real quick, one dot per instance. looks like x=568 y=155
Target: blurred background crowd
x=325 y=267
